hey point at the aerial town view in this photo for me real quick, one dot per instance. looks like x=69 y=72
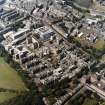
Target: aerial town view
x=52 y=52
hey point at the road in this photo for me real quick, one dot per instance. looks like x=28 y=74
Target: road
x=95 y=89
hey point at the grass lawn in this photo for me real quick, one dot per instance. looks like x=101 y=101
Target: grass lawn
x=102 y=59
x=89 y=102
x=103 y=103
x=99 y=45
x=9 y=78
x=83 y=41
x=51 y=100
x=5 y=96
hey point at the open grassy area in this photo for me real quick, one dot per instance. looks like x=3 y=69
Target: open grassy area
x=102 y=59
x=82 y=41
x=9 y=78
x=87 y=101
x=99 y=45
x=90 y=102
x=5 y=96
x=85 y=97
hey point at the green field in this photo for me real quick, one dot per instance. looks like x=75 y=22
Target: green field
x=90 y=102
x=9 y=80
x=99 y=45
x=5 y=96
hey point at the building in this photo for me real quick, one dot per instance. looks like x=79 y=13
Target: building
x=18 y=52
x=44 y=32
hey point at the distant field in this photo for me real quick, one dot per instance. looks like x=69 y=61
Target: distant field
x=99 y=45
x=89 y=102
x=86 y=97
x=9 y=78
x=5 y=96
x=84 y=3
x=102 y=59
